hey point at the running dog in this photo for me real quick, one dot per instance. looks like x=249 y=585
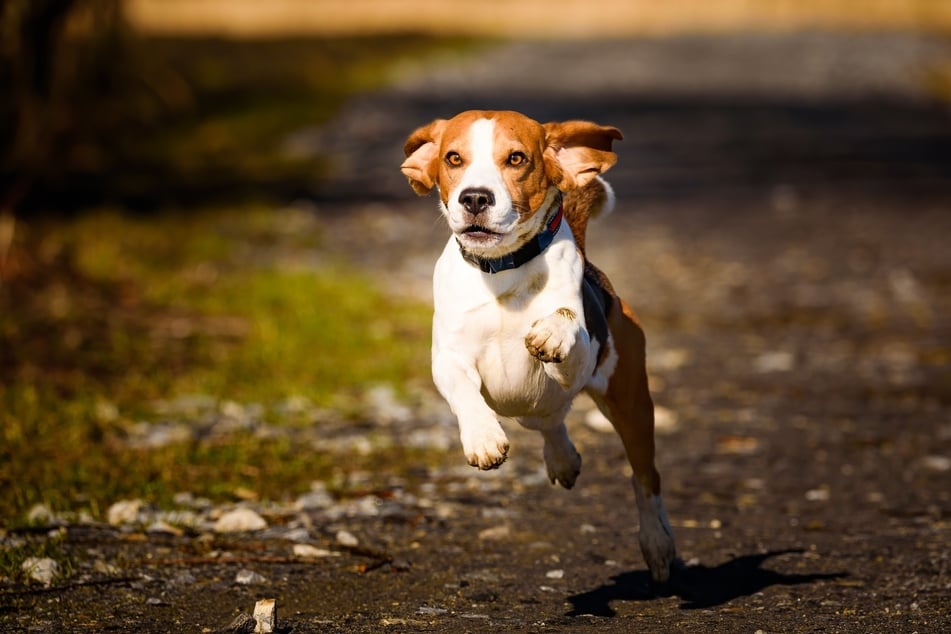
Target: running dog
x=523 y=321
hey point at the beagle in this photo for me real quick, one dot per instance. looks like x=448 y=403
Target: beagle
x=523 y=322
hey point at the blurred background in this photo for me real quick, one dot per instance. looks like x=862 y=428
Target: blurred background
x=197 y=233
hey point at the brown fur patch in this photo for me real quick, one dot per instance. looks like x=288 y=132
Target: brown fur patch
x=567 y=313
x=582 y=204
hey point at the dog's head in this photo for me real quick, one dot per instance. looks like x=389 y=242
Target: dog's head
x=495 y=171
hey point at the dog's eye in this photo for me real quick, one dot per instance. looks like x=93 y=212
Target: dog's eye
x=516 y=158
x=453 y=159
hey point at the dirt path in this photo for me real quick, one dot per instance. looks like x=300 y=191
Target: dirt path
x=782 y=228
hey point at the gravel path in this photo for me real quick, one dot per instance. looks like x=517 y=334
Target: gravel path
x=782 y=228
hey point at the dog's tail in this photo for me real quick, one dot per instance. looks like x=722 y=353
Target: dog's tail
x=582 y=204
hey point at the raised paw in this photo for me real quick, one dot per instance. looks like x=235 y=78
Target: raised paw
x=486 y=448
x=551 y=338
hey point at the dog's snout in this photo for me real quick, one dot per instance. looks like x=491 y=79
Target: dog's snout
x=475 y=200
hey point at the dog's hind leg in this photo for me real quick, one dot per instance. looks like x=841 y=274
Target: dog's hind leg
x=562 y=460
x=627 y=404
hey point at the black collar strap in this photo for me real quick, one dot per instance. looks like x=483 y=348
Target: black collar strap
x=520 y=256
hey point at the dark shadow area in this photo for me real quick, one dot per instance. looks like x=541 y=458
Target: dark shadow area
x=698 y=586
x=182 y=122
x=682 y=147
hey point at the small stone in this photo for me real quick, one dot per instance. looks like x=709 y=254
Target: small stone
x=665 y=420
x=41 y=514
x=431 y=611
x=818 y=495
x=164 y=528
x=188 y=500
x=40 y=569
x=346 y=538
x=300 y=535
x=496 y=532
x=239 y=521
x=124 y=512
x=249 y=577
x=306 y=551
x=314 y=500
x=265 y=616
x=937 y=463
x=776 y=361
x=184 y=578
x=103 y=567
x=384 y=405
x=555 y=574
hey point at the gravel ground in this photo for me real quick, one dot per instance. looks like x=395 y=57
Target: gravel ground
x=782 y=227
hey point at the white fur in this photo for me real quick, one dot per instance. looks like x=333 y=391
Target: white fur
x=481 y=364
x=483 y=323
x=514 y=345
x=610 y=198
x=501 y=217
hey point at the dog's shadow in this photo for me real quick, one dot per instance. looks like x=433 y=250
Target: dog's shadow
x=698 y=586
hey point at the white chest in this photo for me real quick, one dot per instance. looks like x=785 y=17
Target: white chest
x=482 y=320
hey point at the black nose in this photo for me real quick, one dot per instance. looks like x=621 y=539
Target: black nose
x=475 y=200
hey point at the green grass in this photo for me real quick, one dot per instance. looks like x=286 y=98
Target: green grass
x=14 y=554
x=109 y=313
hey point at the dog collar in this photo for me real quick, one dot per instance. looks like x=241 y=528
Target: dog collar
x=520 y=256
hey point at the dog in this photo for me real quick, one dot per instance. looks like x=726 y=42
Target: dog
x=523 y=321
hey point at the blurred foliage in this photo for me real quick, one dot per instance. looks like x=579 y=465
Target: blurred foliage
x=105 y=314
x=217 y=291
x=96 y=114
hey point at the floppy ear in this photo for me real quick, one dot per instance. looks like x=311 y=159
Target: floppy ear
x=422 y=161
x=577 y=151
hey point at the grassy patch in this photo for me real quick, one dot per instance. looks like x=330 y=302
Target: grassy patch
x=105 y=314
x=17 y=550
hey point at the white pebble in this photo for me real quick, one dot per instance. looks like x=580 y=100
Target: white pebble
x=555 y=574
x=306 y=551
x=775 y=361
x=818 y=495
x=40 y=569
x=249 y=577
x=239 y=521
x=124 y=512
x=937 y=463
x=346 y=538
x=494 y=533
x=40 y=514
x=665 y=420
x=164 y=528
x=431 y=611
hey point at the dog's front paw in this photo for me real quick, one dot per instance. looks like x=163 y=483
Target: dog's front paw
x=486 y=448
x=551 y=338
